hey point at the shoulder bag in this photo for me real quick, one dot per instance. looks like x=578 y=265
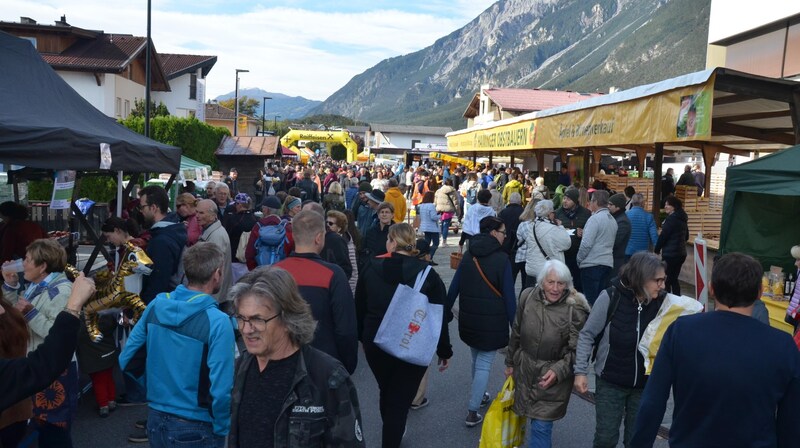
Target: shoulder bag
x=544 y=254
x=483 y=276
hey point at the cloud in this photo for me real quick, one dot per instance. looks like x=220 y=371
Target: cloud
x=300 y=47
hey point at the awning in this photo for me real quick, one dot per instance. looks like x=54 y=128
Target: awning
x=452 y=159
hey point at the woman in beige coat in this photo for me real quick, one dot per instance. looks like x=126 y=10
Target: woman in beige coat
x=541 y=349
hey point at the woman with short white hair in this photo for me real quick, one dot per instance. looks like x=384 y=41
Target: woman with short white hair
x=547 y=240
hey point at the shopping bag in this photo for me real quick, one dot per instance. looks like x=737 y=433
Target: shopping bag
x=672 y=308
x=502 y=428
x=411 y=327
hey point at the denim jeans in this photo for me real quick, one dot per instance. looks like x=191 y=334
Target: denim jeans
x=432 y=240
x=541 y=434
x=612 y=403
x=167 y=430
x=446 y=228
x=481 y=366
x=592 y=279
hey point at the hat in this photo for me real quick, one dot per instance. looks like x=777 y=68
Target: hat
x=271 y=202
x=573 y=194
x=365 y=187
x=376 y=196
x=618 y=200
x=242 y=198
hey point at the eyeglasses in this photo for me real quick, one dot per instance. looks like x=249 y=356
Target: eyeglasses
x=142 y=206
x=330 y=223
x=505 y=233
x=256 y=323
x=660 y=280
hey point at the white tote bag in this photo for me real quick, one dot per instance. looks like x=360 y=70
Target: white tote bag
x=411 y=327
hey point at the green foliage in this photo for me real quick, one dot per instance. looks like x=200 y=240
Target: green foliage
x=40 y=190
x=338 y=152
x=198 y=140
x=155 y=111
x=247 y=106
x=96 y=188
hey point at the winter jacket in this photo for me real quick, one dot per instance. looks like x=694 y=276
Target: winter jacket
x=377 y=284
x=445 y=199
x=321 y=410
x=621 y=241
x=643 y=231
x=310 y=190
x=674 y=234
x=215 y=233
x=513 y=186
x=335 y=251
x=333 y=202
x=483 y=317
x=195 y=385
x=496 y=202
x=324 y=286
x=573 y=219
x=395 y=197
x=510 y=216
x=48 y=299
x=544 y=337
x=553 y=239
x=364 y=216
x=165 y=249
x=540 y=192
x=97 y=356
x=618 y=359
x=237 y=224
x=251 y=252
x=375 y=239
x=193 y=229
x=597 y=243
x=687 y=178
x=428 y=218
x=473 y=216
x=350 y=196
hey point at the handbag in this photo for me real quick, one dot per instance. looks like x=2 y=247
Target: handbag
x=244 y=240
x=411 y=327
x=483 y=276
x=502 y=428
x=544 y=254
x=455 y=258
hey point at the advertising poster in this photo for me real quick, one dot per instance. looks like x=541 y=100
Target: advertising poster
x=62 y=190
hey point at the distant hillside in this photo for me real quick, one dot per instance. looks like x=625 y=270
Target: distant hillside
x=550 y=44
x=288 y=107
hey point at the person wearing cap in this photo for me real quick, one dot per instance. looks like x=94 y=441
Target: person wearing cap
x=596 y=253
x=239 y=223
x=186 y=207
x=375 y=239
x=361 y=209
x=214 y=232
x=573 y=216
x=271 y=210
x=616 y=205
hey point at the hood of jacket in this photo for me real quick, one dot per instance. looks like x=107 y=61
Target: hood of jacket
x=182 y=304
x=394 y=193
x=513 y=184
x=168 y=229
x=483 y=244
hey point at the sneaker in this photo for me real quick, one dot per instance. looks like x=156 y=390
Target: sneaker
x=486 y=399
x=473 y=419
x=112 y=406
x=138 y=437
x=104 y=412
x=140 y=424
x=422 y=404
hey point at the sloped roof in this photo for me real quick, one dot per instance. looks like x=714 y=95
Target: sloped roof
x=176 y=65
x=526 y=100
x=404 y=129
x=266 y=146
x=107 y=52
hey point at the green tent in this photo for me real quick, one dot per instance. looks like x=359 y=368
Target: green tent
x=188 y=167
x=761 y=209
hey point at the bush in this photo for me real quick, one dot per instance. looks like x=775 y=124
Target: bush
x=198 y=140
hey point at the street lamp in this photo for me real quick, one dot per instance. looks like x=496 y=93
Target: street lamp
x=236 y=102
x=275 y=123
x=263 y=113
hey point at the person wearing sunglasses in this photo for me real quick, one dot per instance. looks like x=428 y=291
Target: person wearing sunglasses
x=614 y=328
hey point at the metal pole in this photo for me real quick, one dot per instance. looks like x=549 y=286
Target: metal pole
x=264 y=113
x=236 y=107
x=147 y=77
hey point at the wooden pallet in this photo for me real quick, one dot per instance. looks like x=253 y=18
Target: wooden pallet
x=708 y=222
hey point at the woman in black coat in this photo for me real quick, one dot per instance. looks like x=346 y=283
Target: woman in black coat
x=397 y=380
x=671 y=242
x=376 y=237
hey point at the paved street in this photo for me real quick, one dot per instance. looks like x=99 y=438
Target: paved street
x=441 y=424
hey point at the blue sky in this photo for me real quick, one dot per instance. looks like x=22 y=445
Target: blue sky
x=296 y=47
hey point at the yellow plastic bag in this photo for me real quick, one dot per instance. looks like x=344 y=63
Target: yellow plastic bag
x=672 y=308
x=502 y=428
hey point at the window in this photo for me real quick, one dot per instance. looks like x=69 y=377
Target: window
x=127 y=108
x=414 y=143
x=118 y=107
x=193 y=87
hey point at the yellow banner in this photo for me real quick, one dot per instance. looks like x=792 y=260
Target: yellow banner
x=682 y=114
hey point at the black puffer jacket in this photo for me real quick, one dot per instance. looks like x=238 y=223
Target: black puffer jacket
x=674 y=233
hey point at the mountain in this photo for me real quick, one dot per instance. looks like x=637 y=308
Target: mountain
x=577 y=45
x=286 y=106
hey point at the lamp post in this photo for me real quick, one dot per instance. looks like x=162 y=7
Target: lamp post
x=263 y=113
x=275 y=123
x=236 y=103
x=147 y=82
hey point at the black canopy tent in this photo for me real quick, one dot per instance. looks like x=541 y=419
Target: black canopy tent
x=45 y=124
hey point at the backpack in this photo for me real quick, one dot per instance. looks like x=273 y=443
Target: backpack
x=270 y=243
x=472 y=195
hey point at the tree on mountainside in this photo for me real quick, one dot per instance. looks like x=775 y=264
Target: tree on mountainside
x=247 y=106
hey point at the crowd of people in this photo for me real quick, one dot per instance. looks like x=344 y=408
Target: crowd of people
x=268 y=292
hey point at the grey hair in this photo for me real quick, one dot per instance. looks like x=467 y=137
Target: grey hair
x=200 y=261
x=600 y=197
x=543 y=208
x=558 y=268
x=277 y=287
x=637 y=199
x=221 y=186
x=643 y=266
x=515 y=198
x=335 y=188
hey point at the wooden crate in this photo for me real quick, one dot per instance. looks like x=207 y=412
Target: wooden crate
x=708 y=222
x=618 y=184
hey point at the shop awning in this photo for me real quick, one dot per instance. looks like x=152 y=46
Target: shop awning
x=452 y=159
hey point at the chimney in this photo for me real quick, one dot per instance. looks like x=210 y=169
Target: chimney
x=27 y=21
x=62 y=22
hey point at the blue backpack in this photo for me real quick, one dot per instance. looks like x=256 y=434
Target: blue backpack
x=270 y=243
x=472 y=195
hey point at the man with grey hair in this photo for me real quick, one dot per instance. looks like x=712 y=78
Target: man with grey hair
x=643 y=228
x=222 y=199
x=214 y=232
x=596 y=253
x=325 y=287
x=196 y=391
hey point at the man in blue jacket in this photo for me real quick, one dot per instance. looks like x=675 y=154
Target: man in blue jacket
x=189 y=396
x=166 y=243
x=643 y=227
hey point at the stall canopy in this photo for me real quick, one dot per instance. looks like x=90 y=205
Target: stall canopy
x=44 y=123
x=761 y=208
